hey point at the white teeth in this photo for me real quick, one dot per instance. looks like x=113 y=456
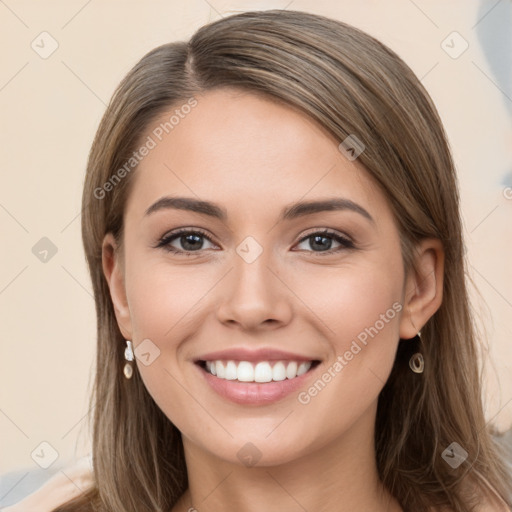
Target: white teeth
x=231 y=372
x=244 y=371
x=303 y=368
x=219 y=369
x=262 y=372
x=291 y=370
x=278 y=371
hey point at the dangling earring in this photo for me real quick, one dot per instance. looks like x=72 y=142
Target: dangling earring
x=417 y=363
x=128 y=355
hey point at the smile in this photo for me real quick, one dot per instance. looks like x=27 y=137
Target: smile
x=262 y=371
x=256 y=382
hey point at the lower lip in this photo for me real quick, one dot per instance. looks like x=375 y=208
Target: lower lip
x=255 y=393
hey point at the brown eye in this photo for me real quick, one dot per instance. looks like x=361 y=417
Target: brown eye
x=323 y=241
x=190 y=241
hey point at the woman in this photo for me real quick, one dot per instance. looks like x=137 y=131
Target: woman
x=271 y=222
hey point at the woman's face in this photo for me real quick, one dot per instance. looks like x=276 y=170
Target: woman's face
x=261 y=284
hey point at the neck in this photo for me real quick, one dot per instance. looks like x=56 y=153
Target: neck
x=339 y=476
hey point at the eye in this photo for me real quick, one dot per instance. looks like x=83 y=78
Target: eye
x=322 y=240
x=190 y=241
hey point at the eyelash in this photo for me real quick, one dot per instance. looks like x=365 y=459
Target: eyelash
x=164 y=242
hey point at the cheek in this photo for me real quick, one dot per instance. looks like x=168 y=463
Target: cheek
x=354 y=301
x=167 y=305
x=358 y=309
x=164 y=298
x=366 y=309
x=360 y=314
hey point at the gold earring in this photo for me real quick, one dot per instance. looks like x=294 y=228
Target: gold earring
x=128 y=355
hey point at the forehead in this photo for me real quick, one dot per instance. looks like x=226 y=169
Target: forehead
x=244 y=150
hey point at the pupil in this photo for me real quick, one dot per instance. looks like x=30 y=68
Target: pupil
x=317 y=238
x=187 y=238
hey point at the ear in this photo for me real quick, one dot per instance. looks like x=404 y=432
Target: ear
x=423 y=292
x=112 y=262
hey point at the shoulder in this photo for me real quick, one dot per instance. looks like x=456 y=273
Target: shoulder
x=67 y=483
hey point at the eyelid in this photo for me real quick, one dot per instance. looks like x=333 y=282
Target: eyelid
x=186 y=229
x=326 y=231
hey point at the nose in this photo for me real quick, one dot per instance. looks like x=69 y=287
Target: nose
x=254 y=296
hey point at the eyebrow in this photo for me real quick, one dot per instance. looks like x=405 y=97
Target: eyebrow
x=290 y=212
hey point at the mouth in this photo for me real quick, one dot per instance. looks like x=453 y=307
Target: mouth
x=257 y=383
x=256 y=377
x=257 y=371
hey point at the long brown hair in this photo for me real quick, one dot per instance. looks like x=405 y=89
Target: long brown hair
x=351 y=84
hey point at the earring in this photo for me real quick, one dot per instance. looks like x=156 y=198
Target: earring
x=417 y=363
x=128 y=355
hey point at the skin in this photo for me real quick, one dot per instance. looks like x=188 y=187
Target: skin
x=253 y=157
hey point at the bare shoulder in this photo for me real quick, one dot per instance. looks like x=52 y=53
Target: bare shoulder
x=67 y=483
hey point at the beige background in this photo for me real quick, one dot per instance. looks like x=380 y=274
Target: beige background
x=51 y=108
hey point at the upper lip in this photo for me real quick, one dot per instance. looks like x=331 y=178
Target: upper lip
x=245 y=354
